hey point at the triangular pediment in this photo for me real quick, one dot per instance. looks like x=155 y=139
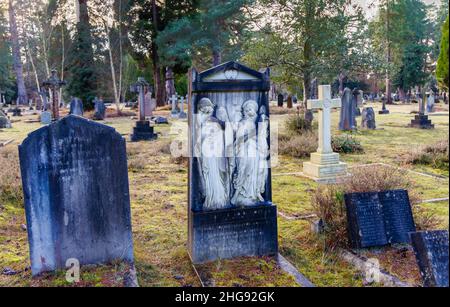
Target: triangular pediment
x=231 y=71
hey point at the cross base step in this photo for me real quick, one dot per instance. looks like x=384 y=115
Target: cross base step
x=325 y=167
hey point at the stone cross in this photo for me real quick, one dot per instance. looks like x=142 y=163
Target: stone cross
x=182 y=114
x=173 y=100
x=324 y=104
x=140 y=87
x=53 y=84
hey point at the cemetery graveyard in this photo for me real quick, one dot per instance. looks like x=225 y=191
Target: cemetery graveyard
x=221 y=174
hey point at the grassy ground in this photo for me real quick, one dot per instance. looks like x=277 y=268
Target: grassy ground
x=158 y=185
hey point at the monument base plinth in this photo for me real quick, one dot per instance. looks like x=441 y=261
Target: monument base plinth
x=324 y=167
x=231 y=233
x=383 y=112
x=421 y=121
x=143 y=132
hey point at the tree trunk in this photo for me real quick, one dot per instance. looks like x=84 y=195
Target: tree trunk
x=17 y=60
x=113 y=69
x=388 y=57
x=170 y=83
x=341 y=83
x=157 y=78
x=217 y=57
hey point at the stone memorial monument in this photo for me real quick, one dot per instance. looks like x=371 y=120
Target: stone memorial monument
x=77 y=201
x=431 y=250
x=421 y=120
x=231 y=213
x=143 y=130
x=379 y=218
x=76 y=107
x=324 y=165
x=46 y=118
x=5 y=123
x=53 y=84
x=99 y=109
x=182 y=114
x=348 y=111
x=175 y=110
x=430 y=103
x=368 y=119
x=280 y=99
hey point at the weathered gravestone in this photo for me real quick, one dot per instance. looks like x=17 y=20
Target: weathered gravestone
x=378 y=219
x=99 y=109
x=368 y=119
x=46 y=118
x=143 y=130
x=348 y=111
x=431 y=250
x=430 y=103
x=280 y=100
x=76 y=107
x=175 y=110
x=231 y=213
x=421 y=120
x=358 y=96
x=182 y=114
x=77 y=201
x=4 y=121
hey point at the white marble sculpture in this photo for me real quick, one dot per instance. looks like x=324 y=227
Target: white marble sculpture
x=234 y=156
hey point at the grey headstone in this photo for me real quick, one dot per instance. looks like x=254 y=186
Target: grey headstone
x=5 y=123
x=99 y=110
x=77 y=201
x=348 y=116
x=368 y=119
x=46 y=118
x=431 y=250
x=76 y=107
x=430 y=103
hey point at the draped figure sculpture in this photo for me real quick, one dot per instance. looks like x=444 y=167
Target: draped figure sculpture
x=213 y=164
x=247 y=182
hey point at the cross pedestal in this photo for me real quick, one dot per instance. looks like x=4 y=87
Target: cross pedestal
x=174 y=101
x=324 y=165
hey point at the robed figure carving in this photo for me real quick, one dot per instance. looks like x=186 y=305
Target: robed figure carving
x=212 y=161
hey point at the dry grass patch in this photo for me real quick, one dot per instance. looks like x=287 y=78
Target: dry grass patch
x=10 y=180
x=435 y=155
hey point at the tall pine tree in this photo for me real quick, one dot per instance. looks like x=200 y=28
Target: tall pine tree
x=81 y=67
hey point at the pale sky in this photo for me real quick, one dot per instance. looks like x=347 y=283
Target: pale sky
x=371 y=5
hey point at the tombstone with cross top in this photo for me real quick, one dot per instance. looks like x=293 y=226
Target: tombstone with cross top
x=174 y=102
x=143 y=131
x=324 y=164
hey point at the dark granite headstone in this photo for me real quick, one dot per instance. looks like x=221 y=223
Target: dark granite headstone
x=378 y=219
x=280 y=100
x=365 y=220
x=17 y=112
x=231 y=213
x=100 y=109
x=398 y=215
x=143 y=131
x=77 y=201
x=431 y=250
x=348 y=117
